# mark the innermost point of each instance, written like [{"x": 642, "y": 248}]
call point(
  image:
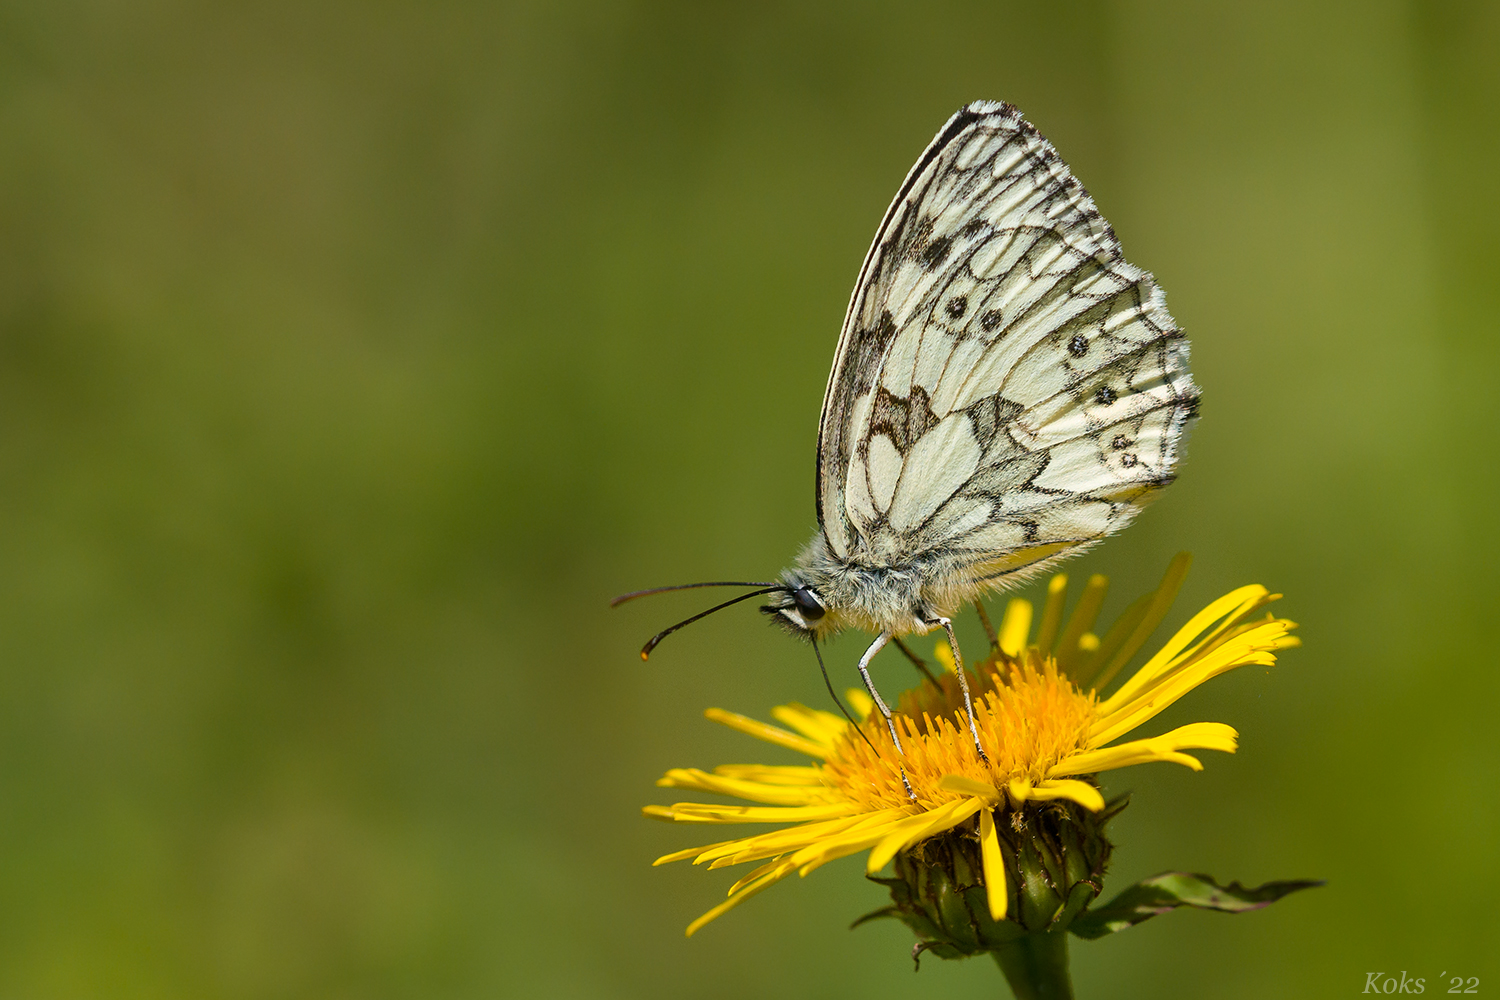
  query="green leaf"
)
[{"x": 1170, "y": 890}]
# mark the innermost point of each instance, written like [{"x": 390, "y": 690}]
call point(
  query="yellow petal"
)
[
  {"x": 767, "y": 732},
  {"x": 767, "y": 880},
  {"x": 690, "y": 852},
  {"x": 772, "y": 774},
  {"x": 805, "y": 842},
  {"x": 1105, "y": 648},
  {"x": 1070, "y": 645},
  {"x": 1057, "y": 594},
  {"x": 1255, "y": 645},
  {"x": 920, "y": 827},
  {"x": 968, "y": 786},
  {"x": 994, "y": 866},
  {"x": 1156, "y": 610},
  {"x": 774, "y": 842},
  {"x": 816, "y": 855},
  {"x": 783, "y": 795},
  {"x": 701, "y": 812},
  {"x": 761, "y": 872},
  {"x": 1198, "y": 735},
  {"x": 1015, "y": 626},
  {"x": 1231, "y": 607},
  {"x": 1081, "y": 792},
  {"x": 819, "y": 726},
  {"x": 861, "y": 703}
]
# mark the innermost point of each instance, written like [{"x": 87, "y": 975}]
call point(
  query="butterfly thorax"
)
[{"x": 827, "y": 593}]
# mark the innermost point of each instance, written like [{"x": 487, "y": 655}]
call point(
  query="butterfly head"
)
[{"x": 798, "y": 607}]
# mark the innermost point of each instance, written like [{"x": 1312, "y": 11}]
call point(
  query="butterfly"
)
[{"x": 1007, "y": 390}]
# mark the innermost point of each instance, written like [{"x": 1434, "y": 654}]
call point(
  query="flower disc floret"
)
[{"x": 1028, "y": 716}]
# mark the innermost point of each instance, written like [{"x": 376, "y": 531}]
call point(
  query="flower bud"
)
[{"x": 1054, "y": 856}]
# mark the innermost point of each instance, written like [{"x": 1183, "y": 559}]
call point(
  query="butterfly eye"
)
[{"x": 808, "y": 603}]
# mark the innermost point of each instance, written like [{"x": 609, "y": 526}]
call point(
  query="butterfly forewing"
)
[{"x": 1006, "y": 387}]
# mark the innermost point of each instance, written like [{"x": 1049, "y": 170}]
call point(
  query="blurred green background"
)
[{"x": 353, "y": 356}]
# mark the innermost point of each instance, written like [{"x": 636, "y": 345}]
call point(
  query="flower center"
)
[{"x": 1028, "y": 716}]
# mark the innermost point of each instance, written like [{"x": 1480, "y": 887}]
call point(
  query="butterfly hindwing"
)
[{"x": 1006, "y": 386}]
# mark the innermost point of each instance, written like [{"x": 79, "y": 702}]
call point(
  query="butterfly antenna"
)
[
  {"x": 832, "y": 694},
  {"x": 658, "y": 637},
  {"x": 685, "y": 586}
]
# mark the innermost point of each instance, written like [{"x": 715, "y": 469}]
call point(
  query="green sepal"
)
[
  {"x": 1081, "y": 896},
  {"x": 1167, "y": 891},
  {"x": 938, "y": 948},
  {"x": 884, "y": 911},
  {"x": 1113, "y": 808}
]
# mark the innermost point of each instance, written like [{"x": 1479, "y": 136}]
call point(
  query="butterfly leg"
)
[
  {"x": 890, "y": 723},
  {"x": 984, "y": 619},
  {"x": 963, "y": 682},
  {"x": 864, "y": 671}
]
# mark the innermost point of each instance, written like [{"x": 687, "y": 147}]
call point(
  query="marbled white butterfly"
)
[{"x": 1006, "y": 391}]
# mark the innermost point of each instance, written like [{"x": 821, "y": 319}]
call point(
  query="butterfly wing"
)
[{"x": 1006, "y": 387}]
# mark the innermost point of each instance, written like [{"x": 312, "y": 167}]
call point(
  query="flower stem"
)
[{"x": 1036, "y": 966}]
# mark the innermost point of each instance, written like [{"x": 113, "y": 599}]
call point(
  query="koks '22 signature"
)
[{"x": 1380, "y": 982}]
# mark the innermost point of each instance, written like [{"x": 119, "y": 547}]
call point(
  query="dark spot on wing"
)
[
  {"x": 910, "y": 241},
  {"x": 935, "y": 252},
  {"x": 858, "y": 369},
  {"x": 956, "y": 306},
  {"x": 1104, "y": 396},
  {"x": 1078, "y": 346},
  {"x": 1128, "y": 460},
  {"x": 903, "y": 419},
  {"x": 989, "y": 321},
  {"x": 1120, "y": 441},
  {"x": 989, "y": 416},
  {"x": 973, "y": 228},
  {"x": 982, "y": 419}
]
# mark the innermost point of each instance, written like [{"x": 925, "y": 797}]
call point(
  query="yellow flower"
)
[{"x": 1045, "y": 729}]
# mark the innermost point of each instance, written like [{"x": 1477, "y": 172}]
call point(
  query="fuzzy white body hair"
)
[{"x": 891, "y": 599}]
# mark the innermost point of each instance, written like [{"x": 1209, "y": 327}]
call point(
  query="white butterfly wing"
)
[{"x": 1006, "y": 387}]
